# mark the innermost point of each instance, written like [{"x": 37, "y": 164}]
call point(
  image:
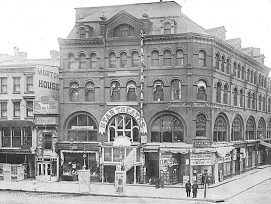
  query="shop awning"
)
[
  {"x": 222, "y": 151},
  {"x": 16, "y": 123},
  {"x": 265, "y": 144}
]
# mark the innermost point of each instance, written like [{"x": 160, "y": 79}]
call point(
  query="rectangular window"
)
[
  {"x": 4, "y": 110},
  {"x": 48, "y": 142},
  {"x": 16, "y": 84},
  {"x": 16, "y": 137},
  {"x": 6, "y": 142},
  {"x": 29, "y": 108},
  {"x": 28, "y": 136},
  {"x": 29, "y": 84},
  {"x": 3, "y": 88},
  {"x": 16, "y": 109}
]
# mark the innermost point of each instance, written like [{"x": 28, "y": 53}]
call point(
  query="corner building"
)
[{"x": 189, "y": 101}]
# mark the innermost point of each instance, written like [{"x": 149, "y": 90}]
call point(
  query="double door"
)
[{"x": 44, "y": 171}]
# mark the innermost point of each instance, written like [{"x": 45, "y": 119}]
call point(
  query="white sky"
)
[{"x": 34, "y": 25}]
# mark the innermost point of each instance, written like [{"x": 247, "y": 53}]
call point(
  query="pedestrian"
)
[
  {"x": 188, "y": 188},
  {"x": 195, "y": 189}
]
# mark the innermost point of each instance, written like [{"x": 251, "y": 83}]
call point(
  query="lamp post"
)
[
  {"x": 84, "y": 158},
  {"x": 205, "y": 181}
]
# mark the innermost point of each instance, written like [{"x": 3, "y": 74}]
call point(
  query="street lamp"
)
[
  {"x": 205, "y": 181},
  {"x": 84, "y": 157}
]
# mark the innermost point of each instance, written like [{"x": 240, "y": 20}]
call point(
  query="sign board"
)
[
  {"x": 47, "y": 105},
  {"x": 202, "y": 144},
  {"x": 82, "y": 127},
  {"x": 201, "y": 159},
  {"x": 46, "y": 120}
]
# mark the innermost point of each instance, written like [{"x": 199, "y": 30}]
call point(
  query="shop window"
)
[
  {"x": 155, "y": 59},
  {"x": 235, "y": 95},
  {"x": 71, "y": 61},
  {"x": 93, "y": 61},
  {"x": 217, "y": 61},
  {"x": 250, "y": 129},
  {"x": 220, "y": 130},
  {"x": 167, "y": 28},
  {"x": 131, "y": 91},
  {"x": 167, "y": 58},
  {"x": 123, "y": 30},
  {"x": 248, "y": 99},
  {"x": 115, "y": 91},
  {"x": 29, "y": 109},
  {"x": 4, "y": 110},
  {"x": 123, "y": 59},
  {"x": 29, "y": 84},
  {"x": 123, "y": 125},
  {"x": 201, "y": 91},
  {"x": 218, "y": 92},
  {"x": 82, "y": 128},
  {"x": 261, "y": 128},
  {"x": 89, "y": 92},
  {"x": 135, "y": 59},
  {"x": 202, "y": 58},
  {"x": 3, "y": 81},
  {"x": 16, "y": 109},
  {"x": 74, "y": 92},
  {"x": 225, "y": 94},
  {"x": 176, "y": 88},
  {"x": 112, "y": 60},
  {"x": 16, "y": 84},
  {"x": 201, "y": 126},
  {"x": 158, "y": 91},
  {"x": 167, "y": 128},
  {"x": 82, "y": 61},
  {"x": 179, "y": 58},
  {"x": 236, "y": 134}
]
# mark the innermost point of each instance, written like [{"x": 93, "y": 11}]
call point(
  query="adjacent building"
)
[{"x": 145, "y": 89}]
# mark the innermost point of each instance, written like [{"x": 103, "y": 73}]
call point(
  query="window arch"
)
[
  {"x": 82, "y": 61},
  {"x": 241, "y": 98},
  {"x": 179, "y": 58},
  {"x": 167, "y": 128},
  {"x": 135, "y": 59},
  {"x": 123, "y": 59},
  {"x": 123, "y": 30},
  {"x": 155, "y": 58},
  {"x": 74, "y": 92},
  {"x": 201, "y": 91},
  {"x": 225, "y": 94},
  {"x": 82, "y": 127},
  {"x": 237, "y": 129},
  {"x": 115, "y": 91},
  {"x": 217, "y": 61},
  {"x": 201, "y": 125},
  {"x": 223, "y": 63},
  {"x": 261, "y": 128},
  {"x": 202, "y": 58},
  {"x": 158, "y": 91},
  {"x": 167, "y": 58},
  {"x": 218, "y": 92},
  {"x": 248, "y": 99},
  {"x": 131, "y": 91},
  {"x": 235, "y": 94},
  {"x": 93, "y": 61},
  {"x": 250, "y": 129},
  {"x": 220, "y": 129},
  {"x": 112, "y": 60},
  {"x": 71, "y": 63},
  {"x": 167, "y": 28},
  {"x": 176, "y": 88},
  {"x": 89, "y": 92}
]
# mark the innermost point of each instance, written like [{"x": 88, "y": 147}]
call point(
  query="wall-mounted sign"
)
[
  {"x": 201, "y": 159},
  {"x": 82, "y": 127},
  {"x": 202, "y": 144},
  {"x": 47, "y": 105},
  {"x": 46, "y": 121}
]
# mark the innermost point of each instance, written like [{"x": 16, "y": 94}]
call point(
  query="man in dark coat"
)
[
  {"x": 188, "y": 188},
  {"x": 195, "y": 189}
]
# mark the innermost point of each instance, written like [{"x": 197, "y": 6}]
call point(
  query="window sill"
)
[
  {"x": 16, "y": 118},
  {"x": 15, "y": 92},
  {"x": 29, "y": 92},
  {"x": 4, "y": 118},
  {"x": 3, "y": 92}
]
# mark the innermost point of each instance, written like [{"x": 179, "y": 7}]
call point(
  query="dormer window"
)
[
  {"x": 167, "y": 28},
  {"x": 123, "y": 30},
  {"x": 82, "y": 32}
]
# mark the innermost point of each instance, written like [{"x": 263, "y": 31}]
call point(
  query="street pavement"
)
[{"x": 220, "y": 192}]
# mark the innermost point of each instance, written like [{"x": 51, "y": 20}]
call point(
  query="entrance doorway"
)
[
  {"x": 152, "y": 163},
  {"x": 44, "y": 171}
]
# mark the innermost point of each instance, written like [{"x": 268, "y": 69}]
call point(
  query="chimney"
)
[{"x": 54, "y": 55}]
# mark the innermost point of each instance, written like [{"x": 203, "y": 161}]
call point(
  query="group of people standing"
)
[{"x": 194, "y": 187}]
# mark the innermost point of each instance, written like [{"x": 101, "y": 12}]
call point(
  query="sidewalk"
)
[{"x": 215, "y": 193}]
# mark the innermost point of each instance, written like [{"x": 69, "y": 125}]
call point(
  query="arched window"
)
[
  {"x": 260, "y": 78},
  {"x": 260, "y": 103},
  {"x": 123, "y": 30},
  {"x": 112, "y": 60},
  {"x": 228, "y": 66},
  {"x": 158, "y": 91},
  {"x": 167, "y": 28},
  {"x": 89, "y": 92},
  {"x": 167, "y": 58},
  {"x": 123, "y": 59},
  {"x": 201, "y": 92},
  {"x": 74, "y": 92},
  {"x": 220, "y": 130},
  {"x": 248, "y": 99},
  {"x": 217, "y": 61},
  {"x": 250, "y": 129},
  {"x": 253, "y": 101},
  {"x": 123, "y": 125},
  {"x": 264, "y": 104},
  {"x": 223, "y": 63},
  {"x": 239, "y": 71},
  {"x": 241, "y": 98},
  {"x": 251, "y": 76},
  {"x": 236, "y": 131},
  {"x": 71, "y": 59},
  {"x": 155, "y": 59},
  {"x": 261, "y": 128},
  {"x": 218, "y": 92},
  {"x": 235, "y": 94},
  {"x": 243, "y": 72},
  {"x": 179, "y": 58},
  {"x": 167, "y": 128},
  {"x": 201, "y": 125},
  {"x": 269, "y": 105},
  {"x": 115, "y": 91},
  {"x": 131, "y": 91},
  {"x": 234, "y": 69},
  {"x": 93, "y": 61},
  {"x": 82, "y": 128},
  {"x": 82, "y": 32},
  {"x": 255, "y": 77},
  {"x": 202, "y": 58},
  {"x": 135, "y": 59},
  {"x": 225, "y": 94},
  {"x": 268, "y": 136},
  {"x": 248, "y": 75},
  {"x": 82, "y": 61},
  {"x": 175, "y": 89}
]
